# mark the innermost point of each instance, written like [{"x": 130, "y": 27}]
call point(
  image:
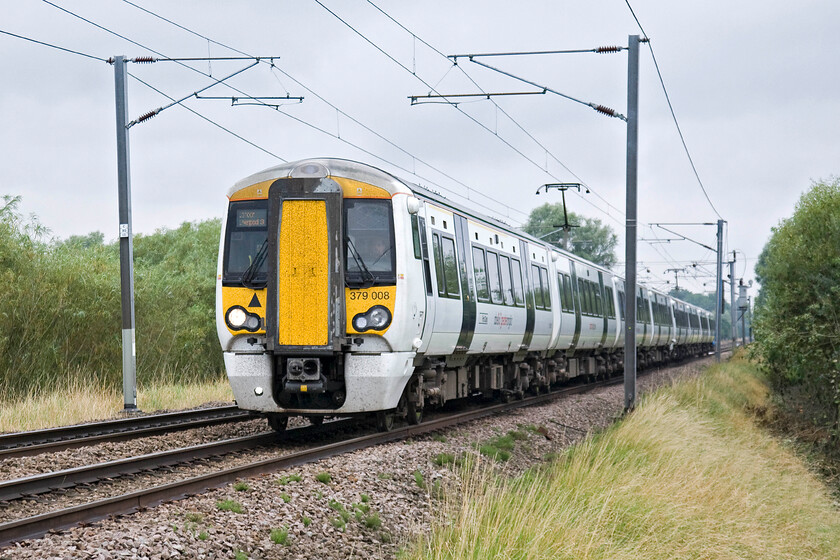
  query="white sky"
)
[{"x": 754, "y": 85}]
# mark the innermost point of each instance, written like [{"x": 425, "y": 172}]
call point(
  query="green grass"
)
[
  {"x": 230, "y": 505},
  {"x": 280, "y": 536},
  {"x": 443, "y": 459},
  {"x": 241, "y": 486},
  {"x": 418, "y": 480},
  {"x": 687, "y": 475},
  {"x": 285, "y": 497},
  {"x": 323, "y": 477}
]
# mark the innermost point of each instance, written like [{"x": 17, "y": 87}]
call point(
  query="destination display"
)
[{"x": 251, "y": 218}]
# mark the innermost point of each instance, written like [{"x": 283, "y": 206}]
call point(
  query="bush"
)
[
  {"x": 60, "y": 314},
  {"x": 797, "y": 323}
]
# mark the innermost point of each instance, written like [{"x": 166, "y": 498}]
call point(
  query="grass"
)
[
  {"x": 83, "y": 401},
  {"x": 323, "y": 477},
  {"x": 230, "y": 505},
  {"x": 241, "y": 486},
  {"x": 688, "y": 475},
  {"x": 280, "y": 536}
]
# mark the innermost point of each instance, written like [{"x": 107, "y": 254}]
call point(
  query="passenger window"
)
[
  {"x": 424, "y": 246},
  {"x": 518, "y": 296},
  {"x": 450, "y": 267},
  {"x": 546, "y": 289},
  {"x": 480, "y": 275},
  {"x": 415, "y": 236},
  {"x": 621, "y": 305},
  {"x": 599, "y": 308},
  {"x": 567, "y": 289},
  {"x": 561, "y": 292},
  {"x": 493, "y": 274},
  {"x": 538, "y": 294},
  {"x": 507, "y": 292},
  {"x": 441, "y": 282}
]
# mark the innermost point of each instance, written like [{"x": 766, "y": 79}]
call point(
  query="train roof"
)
[{"x": 393, "y": 184}]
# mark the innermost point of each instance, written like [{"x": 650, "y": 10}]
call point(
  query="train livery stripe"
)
[
  {"x": 465, "y": 268},
  {"x": 605, "y": 307},
  {"x": 530, "y": 314},
  {"x": 303, "y": 274},
  {"x": 577, "y": 297}
]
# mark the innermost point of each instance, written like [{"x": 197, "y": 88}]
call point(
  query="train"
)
[{"x": 343, "y": 290}]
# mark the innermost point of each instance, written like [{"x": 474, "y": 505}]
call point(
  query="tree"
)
[
  {"x": 591, "y": 240},
  {"x": 797, "y": 323}
]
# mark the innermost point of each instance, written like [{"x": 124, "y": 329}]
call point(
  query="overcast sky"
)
[{"x": 754, "y": 85}]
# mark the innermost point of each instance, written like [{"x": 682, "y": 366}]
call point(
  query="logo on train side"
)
[{"x": 502, "y": 320}]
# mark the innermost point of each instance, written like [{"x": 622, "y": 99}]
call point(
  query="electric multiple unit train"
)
[{"x": 343, "y": 290}]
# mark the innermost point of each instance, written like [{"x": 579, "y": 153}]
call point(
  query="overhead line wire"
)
[
  {"x": 671, "y": 108},
  {"x": 499, "y": 107},
  {"x": 347, "y": 115},
  {"x": 53, "y": 46},
  {"x": 482, "y": 125}
]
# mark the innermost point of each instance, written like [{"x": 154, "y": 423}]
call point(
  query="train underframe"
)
[{"x": 435, "y": 381}]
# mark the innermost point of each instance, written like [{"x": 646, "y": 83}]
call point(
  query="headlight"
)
[
  {"x": 376, "y": 318},
  {"x": 238, "y": 319}
]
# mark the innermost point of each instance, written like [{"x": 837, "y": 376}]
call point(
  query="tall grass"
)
[
  {"x": 688, "y": 475},
  {"x": 60, "y": 307},
  {"x": 85, "y": 400}
]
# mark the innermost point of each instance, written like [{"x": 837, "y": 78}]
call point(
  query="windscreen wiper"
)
[
  {"x": 360, "y": 263},
  {"x": 253, "y": 269}
]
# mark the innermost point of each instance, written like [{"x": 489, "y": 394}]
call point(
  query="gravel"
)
[{"x": 384, "y": 500}]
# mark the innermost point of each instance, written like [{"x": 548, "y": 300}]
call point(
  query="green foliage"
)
[
  {"x": 230, "y": 505},
  {"x": 203, "y": 536},
  {"x": 591, "y": 240},
  {"x": 241, "y": 486},
  {"x": 60, "y": 314},
  {"x": 241, "y": 555},
  {"x": 418, "y": 479},
  {"x": 444, "y": 459},
  {"x": 323, "y": 477},
  {"x": 285, "y": 497},
  {"x": 279, "y": 536},
  {"x": 306, "y": 521},
  {"x": 797, "y": 323}
]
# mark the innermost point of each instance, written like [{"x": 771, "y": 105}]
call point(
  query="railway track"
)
[
  {"x": 39, "y": 525},
  {"x": 19, "y": 444}
]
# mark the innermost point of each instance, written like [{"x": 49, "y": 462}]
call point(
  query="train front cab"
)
[{"x": 319, "y": 295}]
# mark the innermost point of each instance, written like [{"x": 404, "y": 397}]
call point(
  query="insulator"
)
[
  {"x": 148, "y": 116},
  {"x": 144, "y": 60},
  {"x": 605, "y": 110},
  {"x": 610, "y": 49}
]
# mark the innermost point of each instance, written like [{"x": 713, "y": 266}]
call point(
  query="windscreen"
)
[
  {"x": 245, "y": 239},
  {"x": 369, "y": 257}
]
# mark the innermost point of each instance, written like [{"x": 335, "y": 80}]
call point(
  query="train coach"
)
[{"x": 343, "y": 290}]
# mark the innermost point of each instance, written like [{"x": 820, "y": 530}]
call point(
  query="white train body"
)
[{"x": 343, "y": 290}]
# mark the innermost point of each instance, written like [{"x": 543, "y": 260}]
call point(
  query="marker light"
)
[{"x": 376, "y": 318}]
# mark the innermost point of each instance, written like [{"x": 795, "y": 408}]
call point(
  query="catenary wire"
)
[
  {"x": 673, "y": 114},
  {"x": 356, "y": 121},
  {"x": 54, "y": 46},
  {"x": 498, "y": 107},
  {"x": 482, "y": 125}
]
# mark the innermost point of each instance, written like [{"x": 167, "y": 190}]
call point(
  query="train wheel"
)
[
  {"x": 384, "y": 421},
  {"x": 414, "y": 415},
  {"x": 316, "y": 420},
  {"x": 278, "y": 422}
]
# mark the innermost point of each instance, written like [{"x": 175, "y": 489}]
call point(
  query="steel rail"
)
[
  {"x": 39, "y": 525},
  {"x": 68, "y": 478},
  {"x": 18, "y": 444}
]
